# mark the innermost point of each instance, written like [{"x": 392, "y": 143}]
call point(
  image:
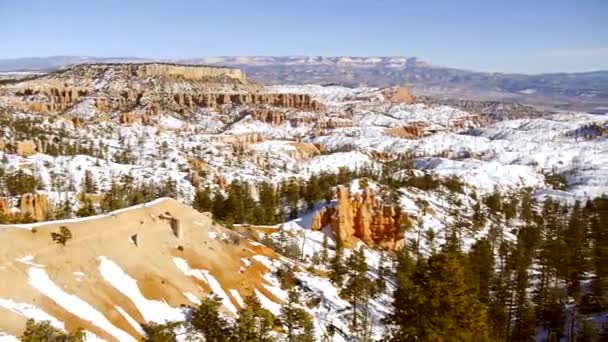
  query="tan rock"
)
[
  {"x": 401, "y": 94},
  {"x": 26, "y": 148},
  {"x": 36, "y": 205},
  {"x": 362, "y": 217},
  {"x": 411, "y": 131},
  {"x": 342, "y": 224}
]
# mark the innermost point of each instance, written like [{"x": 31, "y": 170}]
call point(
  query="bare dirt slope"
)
[{"x": 95, "y": 265}]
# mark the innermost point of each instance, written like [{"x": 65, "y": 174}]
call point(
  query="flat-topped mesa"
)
[
  {"x": 146, "y": 70},
  {"x": 147, "y": 88}
]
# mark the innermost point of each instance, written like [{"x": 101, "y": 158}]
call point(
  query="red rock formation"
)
[
  {"x": 5, "y": 208},
  {"x": 362, "y": 217},
  {"x": 271, "y": 116},
  {"x": 401, "y": 94}
]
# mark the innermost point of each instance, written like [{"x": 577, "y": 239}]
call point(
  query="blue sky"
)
[{"x": 493, "y": 35}]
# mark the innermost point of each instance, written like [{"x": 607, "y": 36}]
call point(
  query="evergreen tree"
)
[
  {"x": 113, "y": 199},
  {"x": 437, "y": 305},
  {"x": 165, "y": 332},
  {"x": 577, "y": 251},
  {"x": 599, "y": 236},
  {"x": 480, "y": 266},
  {"x": 89, "y": 183},
  {"x": 86, "y": 207},
  {"x": 45, "y": 332},
  {"x": 202, "y": 200},
  {"x": 337, "y": 268},
  {"x": 358, "y": 288},
  {"x": 254, "y": 323},
  {"x": 297, "y": 322},
  {"x": 399, "y": 317},
  {"x": 205, "y": 320}
]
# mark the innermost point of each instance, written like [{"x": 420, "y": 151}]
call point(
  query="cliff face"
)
[
  {"x": 148, "y": 89},
  {"x": 362, "y": 217},
  {"x": 34, "y": 205}
]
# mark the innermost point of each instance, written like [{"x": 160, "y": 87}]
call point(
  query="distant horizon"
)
[
  {"x": 182, "y": 61},
  {"x": 518, "y": 36}
]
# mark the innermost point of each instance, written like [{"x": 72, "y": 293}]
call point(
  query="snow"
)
[
  {"x": 268, "y": 304},
  {"x": 130, "y": 319},
  {"x": 170, "y": 122},
  {"x": 217, "y": 289},
  {"x": 4, "y": 337},
  {"x": 39, "y": 279},
  {"x": 151, "y": 310},
  {"x": 235, "y": 294},
  {"x": 192, "y": 298},
  {"x": 206, "y": 276},
  {"x": 30, "y": 311},
  {"x": 28, "y": 260},
  {"x": 185, "y": 268}
]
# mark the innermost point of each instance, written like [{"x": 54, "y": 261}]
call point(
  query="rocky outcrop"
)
[
  {"x": 210, "y": 99},
  {"x": 401, "y": 94},
  {"x": 5, "y": 207},
  {"x": 48, "y": 98},
  {"x": 25, "y": 148},
  {"x": 411, "y": 131},
  {"x": 242, "y": 140},
  {"x": 34, "y": 205},
  {"x": 362, "y": 217},
  {"x": 271, "y": 116},
  {"x": 304, "y": 150}
]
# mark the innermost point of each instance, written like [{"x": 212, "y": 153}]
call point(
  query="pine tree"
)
[
  {"x": 358, "y": 288},
  {"x": 398, "y": 320},
  {"x": 86, "y": 207},
  {"x": 45, "y": 332},
  {"x": 337, "y": 268},
  {"x": 297, "y": 322},
  {"x": 439, "y": 306},
  {"x": 324, "y": 250},
  {"x": 577, "y": 251},
  {"x": 480, "y": 266},
  {"x": 113, "y": 199},
  {"x": 527, "y": 240},
  {"x": 599, "y": 237},
  {"x": 202, "y": 200},
  {"x": 205, "y": 320},
  {"x": 254, "y": 323},
  {"x": 89, "y": 183},
  {"x": 165, "y": 332}
]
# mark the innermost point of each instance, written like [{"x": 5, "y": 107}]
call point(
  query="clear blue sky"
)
[{"x": 491, "y": 35}]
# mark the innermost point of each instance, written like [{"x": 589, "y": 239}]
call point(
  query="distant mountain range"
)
[{"x": 557, "y": 91}]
